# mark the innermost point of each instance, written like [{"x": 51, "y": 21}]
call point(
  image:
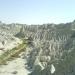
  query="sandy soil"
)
[{"x": 15, "y": 67}]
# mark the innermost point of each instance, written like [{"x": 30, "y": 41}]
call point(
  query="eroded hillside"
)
[{"x": 50, "y": 49}]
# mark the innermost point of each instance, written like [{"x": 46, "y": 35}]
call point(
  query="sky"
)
[{"x": 37, "y": 11}]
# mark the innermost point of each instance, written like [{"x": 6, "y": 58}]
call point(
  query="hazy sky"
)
[{"x": 37, "y": 11}]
